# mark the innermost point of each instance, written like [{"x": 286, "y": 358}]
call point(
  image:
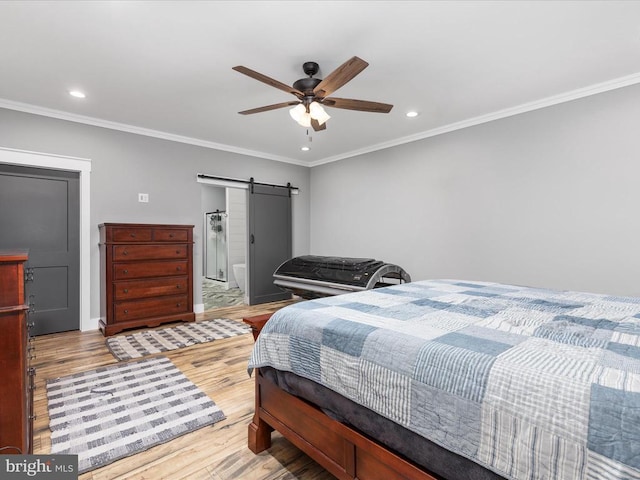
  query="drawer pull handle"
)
[
  {"x": 178, "y": 268},
  {"x": 126, "y": 290},
  {"x": 177, "y": 286},
  {"x": 133, "y": 235},
  {"x": 177, "y": 252},
  {"x": 171, "y": 235},
  {"x": 126, "y": 311},
  {"x": 126, "y": 271},
  {"x": 177, "y": 304},
  {"x": 125, "y": 252}
]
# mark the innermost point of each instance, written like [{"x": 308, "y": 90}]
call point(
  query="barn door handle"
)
[
  {"x": 29, "y": 274},
  {"x": 252, "y": 239},
  {"x": 32, "y": 305}
]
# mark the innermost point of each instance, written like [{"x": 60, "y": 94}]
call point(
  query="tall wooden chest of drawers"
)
[
  {"x": 17, "y": 384},
  {"x": 147, "y": 275}
]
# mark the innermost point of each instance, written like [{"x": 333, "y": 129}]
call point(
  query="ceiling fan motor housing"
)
[{"x": 306, "y": 85}]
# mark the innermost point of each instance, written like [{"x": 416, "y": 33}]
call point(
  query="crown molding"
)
[
  {"x": 507, "y": 112},
  {"x": 123, "y": 127}
]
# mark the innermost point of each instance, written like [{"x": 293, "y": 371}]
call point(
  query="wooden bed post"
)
[{"x": 259, "y": 430}]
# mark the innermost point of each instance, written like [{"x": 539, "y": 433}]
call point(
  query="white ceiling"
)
[{"x": 163, "y": 68}]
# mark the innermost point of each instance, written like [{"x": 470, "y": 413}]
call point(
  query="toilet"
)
[{"x": 239, "y": 274}]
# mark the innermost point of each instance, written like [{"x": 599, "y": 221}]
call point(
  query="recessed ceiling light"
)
[
  {"x": 412, "y": 114},
  {"x": 305, "y": 149},
  {"x": 77, "y": 94}
]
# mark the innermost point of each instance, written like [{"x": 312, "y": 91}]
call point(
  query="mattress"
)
[
  {"x": 526, "y": 382},
  {"x": 429, "y": 456}
]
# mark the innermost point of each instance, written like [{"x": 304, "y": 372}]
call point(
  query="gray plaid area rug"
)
[
  {"x": 116, "y": 411},
  {"x": 148, "y": 342}
]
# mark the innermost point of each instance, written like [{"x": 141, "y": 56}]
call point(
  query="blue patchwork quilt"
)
[{"x": 530, "y": 383}]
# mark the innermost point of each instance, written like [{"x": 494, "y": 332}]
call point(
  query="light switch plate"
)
[{"x": 143, "y": 197}]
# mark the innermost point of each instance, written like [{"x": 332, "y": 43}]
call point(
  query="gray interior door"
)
[
  {"x": 40, "y": 211},
  {"x": 269, "y": 241}
]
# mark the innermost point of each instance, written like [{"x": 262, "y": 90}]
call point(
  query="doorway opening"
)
[{"x": 224, "y": 246}]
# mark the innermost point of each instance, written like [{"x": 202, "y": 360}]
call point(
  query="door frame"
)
[{"x": 83, "y": 167}]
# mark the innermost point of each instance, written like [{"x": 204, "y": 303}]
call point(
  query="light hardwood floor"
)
[{"x": 217, "y": 452}]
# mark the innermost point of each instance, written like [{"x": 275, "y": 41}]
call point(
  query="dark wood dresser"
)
[
  {"x": 16, "y": 387},
  {"x": 146, "y": 275}
]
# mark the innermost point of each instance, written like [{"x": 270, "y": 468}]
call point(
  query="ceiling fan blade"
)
[
  {"x": 269, "y": 107},
  {"x": 340, "y": 76},
  {"x": 360, "y": 105},
  {"x": 316, "y": 126},
  {"x": 268, "y": 80}
]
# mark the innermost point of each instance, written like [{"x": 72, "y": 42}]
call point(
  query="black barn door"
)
[
  {"x": 269, "y": 240},
  {"x": 40, "y": 211}
]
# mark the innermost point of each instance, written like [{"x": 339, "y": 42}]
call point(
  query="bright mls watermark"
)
[{"x": 49, "y": 467}]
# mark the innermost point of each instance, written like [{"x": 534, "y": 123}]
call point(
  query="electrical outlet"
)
[{"x": 143, "y": 197}]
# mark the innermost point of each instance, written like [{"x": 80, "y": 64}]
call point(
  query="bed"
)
[{"x": 457, "y": 380}]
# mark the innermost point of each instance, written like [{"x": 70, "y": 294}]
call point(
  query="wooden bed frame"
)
[{"x": 341, "y": 450}]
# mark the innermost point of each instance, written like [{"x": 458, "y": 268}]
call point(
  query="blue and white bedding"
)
[{"x": 530, "y": 383}]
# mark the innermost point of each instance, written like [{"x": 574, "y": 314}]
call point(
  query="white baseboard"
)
[{"x": 92, "y": 324}]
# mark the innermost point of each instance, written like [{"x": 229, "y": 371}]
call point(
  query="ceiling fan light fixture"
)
[
  {"x": 297, "y": 112},
  {"x": 300, "y": 115},
  {"x": 318, "y": 113},
  {"x": 305, "y": 120}
]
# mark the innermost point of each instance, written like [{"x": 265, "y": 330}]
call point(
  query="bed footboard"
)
[{"x": 342, "y": 451}]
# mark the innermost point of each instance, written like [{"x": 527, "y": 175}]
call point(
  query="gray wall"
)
[
  {"x": 547, "y": 198},
  {"x": 125, "y": 164}
]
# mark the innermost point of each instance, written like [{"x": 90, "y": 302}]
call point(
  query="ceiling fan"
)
[{"x": 313, "y": 93}]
